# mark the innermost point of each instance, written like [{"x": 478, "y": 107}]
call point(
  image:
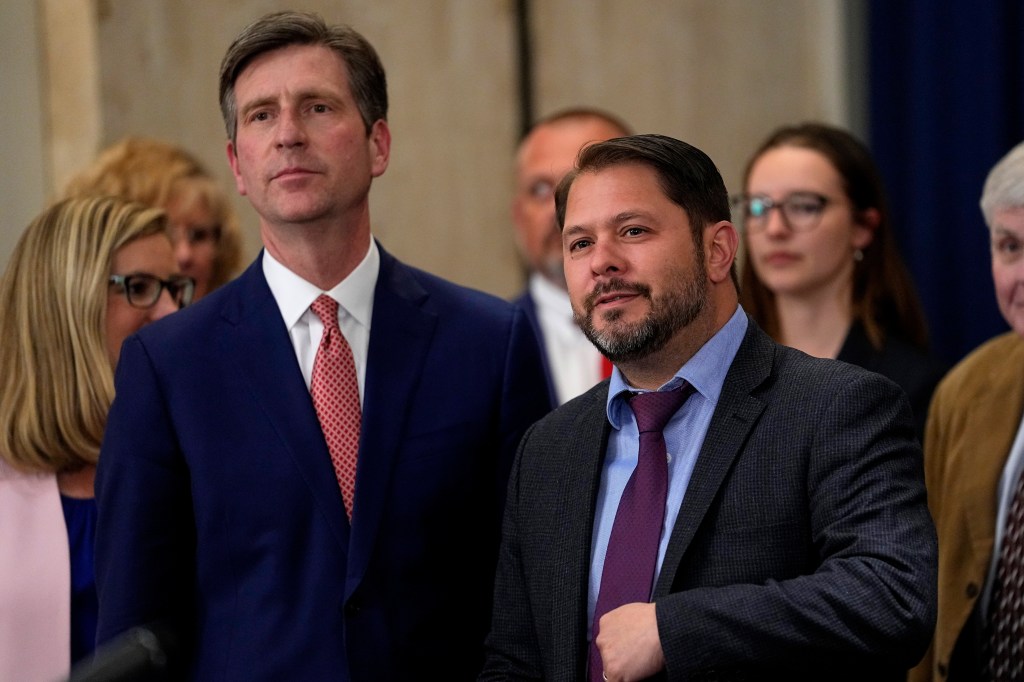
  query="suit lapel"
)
[
  {"x": 400, "y": 336},
  {"x": 529, "y": 308},
  {"x": 999, "y": 398},
  {"x": 735, "y": 415},
  {"x": 583, "y": 448},
  {"x": 257, "y": 340}
]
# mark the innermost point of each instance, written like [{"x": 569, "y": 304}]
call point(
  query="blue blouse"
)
[{"x": 80, "y": 518}]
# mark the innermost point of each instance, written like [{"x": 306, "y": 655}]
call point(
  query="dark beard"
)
[{"x": 685, "y": 300}]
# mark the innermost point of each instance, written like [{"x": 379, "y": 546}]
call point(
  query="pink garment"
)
[{"x": 35, "y": 579}]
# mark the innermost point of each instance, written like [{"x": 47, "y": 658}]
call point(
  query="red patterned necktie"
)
[
  {"x": 1006, "y": 610},
  {"x": 335, "y": 391},
  {"x": 632, "y": 554}
]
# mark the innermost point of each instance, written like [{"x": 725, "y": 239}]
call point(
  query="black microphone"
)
[{"x": 138, "y": 654}]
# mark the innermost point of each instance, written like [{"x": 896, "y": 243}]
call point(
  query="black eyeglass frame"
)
[
  {"x": 787, "y": 205},
  {"x": 181, "y": 288}
]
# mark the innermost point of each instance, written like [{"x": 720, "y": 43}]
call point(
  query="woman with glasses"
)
[
  {"x": 822, "y": 272},
  {"x": 85, "y": 275},
  {"x": 200, "y": 217}
]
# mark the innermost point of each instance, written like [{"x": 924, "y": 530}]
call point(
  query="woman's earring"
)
[{"x": 858, "y": 255}]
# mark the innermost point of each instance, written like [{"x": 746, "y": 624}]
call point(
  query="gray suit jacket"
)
[{"x": 803, "y": 548}]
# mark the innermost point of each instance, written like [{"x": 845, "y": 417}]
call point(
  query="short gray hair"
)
[{"x": 1004, "y": 187}]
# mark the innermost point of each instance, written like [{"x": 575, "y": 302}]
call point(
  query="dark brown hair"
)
[
  {"x": 688, "y": 177},
  {"x": 885, "y": 300},
  {"x": 282, "y": 29}
]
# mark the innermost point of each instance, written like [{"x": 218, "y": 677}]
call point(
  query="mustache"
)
[{"x": 615, "y": 285}]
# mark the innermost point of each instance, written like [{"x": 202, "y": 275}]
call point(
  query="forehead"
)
[
  {"x": 1008, "y": 220},
  {"x": 191, "y": 208},
  {"x": 553, "y": 147},
  {"x": 791, "y": 169},
  {"x": 609, "y": 194},
  {"x": 292, "y": 68},
  {"x": 151, "y": 254}
]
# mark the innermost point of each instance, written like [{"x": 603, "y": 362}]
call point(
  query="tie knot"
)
[
  {"x": 654, "y": 409},
  {"x": 326, "y": 308}
]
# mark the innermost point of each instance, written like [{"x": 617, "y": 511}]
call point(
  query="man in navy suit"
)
[
  {"x": 221, "y": 518},
  {"x": 544, "y": 156},
  {"x": 796, "y": 542}
]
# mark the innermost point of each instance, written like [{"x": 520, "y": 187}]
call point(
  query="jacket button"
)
[
  {"x": 352, "y": 609},
  {"x": 972, "y": 590}
]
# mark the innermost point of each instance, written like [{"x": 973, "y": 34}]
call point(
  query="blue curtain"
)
[{"x": 945, "y": 87}]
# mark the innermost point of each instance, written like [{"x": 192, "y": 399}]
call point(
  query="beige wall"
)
[
  {"x": 717, "y": 73},
  {"x": 23, "y": 169}
]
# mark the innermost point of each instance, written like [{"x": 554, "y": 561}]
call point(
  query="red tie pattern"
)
[
  {"x": 632, "y": 554},
  {"x": 1006, "y": 617},
  {"x": 335, "y": 391}
]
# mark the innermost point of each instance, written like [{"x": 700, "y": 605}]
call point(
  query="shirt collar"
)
[
  {"x": 549, "y": 296},
  {"x": 705, "y": 371},
  {"x": 294, "y": 295}
]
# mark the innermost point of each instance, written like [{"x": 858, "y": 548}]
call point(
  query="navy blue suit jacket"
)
[
  {"x": 220, "y": 513},
  {"x": 529, "y": 307}
]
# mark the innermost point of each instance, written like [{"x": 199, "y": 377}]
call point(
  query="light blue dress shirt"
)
[{"x": 684, "y": 436}]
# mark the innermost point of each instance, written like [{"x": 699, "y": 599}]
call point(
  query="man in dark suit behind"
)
[
  {"x": 796, "y": 542},
  {"x": 545, "y": 154},
  {"x": 221, "y": 517}
]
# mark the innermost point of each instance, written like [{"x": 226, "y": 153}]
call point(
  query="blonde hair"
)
[
  {"x": 56, "y": 380},
  {"x": 155, "y": 173}
]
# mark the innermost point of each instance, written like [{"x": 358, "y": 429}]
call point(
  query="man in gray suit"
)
[{"x": 796, "y": 543}]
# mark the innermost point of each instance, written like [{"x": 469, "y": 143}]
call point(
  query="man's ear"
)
[
  {"x": 380, "y": 147},
  {"x": 235, "y": 171},
  {"x": 721, "y": 243}
]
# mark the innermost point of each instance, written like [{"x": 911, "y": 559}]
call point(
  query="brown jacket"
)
[{"x": 972, "y": 421}]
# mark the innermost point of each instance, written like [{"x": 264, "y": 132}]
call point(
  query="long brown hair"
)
[{"x": 885, "y": 300}]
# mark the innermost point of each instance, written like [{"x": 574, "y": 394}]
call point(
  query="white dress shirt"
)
[
  {"x": 574, "y": 362},
  {"x": 354, "y": 295}
]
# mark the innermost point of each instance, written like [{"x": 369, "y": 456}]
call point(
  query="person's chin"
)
[
  {"x": 306, "y": 209},
  {"x": 554, "y": 270}
]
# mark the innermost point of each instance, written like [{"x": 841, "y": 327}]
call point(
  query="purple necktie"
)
[{"x": 633, "y": 544}]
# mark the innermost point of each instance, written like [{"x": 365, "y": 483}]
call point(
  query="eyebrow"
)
[
  {"x": 572, "y": 229},
  {"x": 255, "y": 104},
  {"x": 301, "y": 96},
  {"x": 1000, "y": 231},
  {"x": 618, "y": 219}
]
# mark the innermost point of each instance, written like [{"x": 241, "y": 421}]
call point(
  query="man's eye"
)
[
  {"x": 542, "y": 190},
  {"x": 320, "y": 108},
  {"x": 1008, "y": 246},
  {"x": 579, "y": 244}
]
